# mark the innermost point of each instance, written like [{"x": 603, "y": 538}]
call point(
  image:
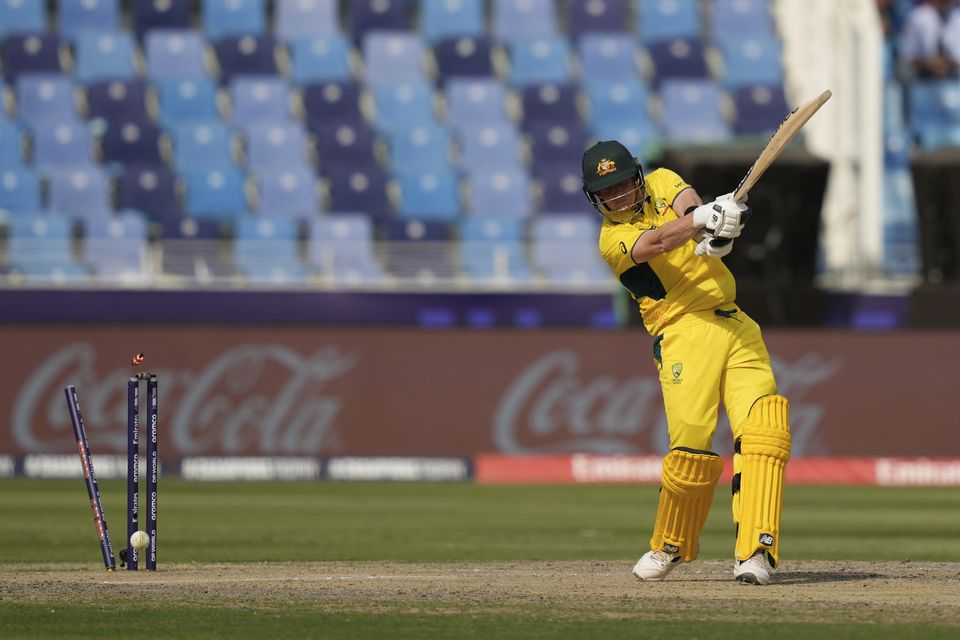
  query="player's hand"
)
[
  {"x": 705, "y": 247},
  {"x": 720, "y": 217}
]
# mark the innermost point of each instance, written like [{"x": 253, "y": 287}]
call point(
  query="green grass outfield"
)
[{"x": 44, "y": 522}]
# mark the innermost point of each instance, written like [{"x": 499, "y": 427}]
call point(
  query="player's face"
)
[{"x": 622, "y": 196}]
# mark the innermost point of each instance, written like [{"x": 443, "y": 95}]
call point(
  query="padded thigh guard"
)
[
  {"x": 764, "y": 452},
  {"x": 686, "y": 493}
]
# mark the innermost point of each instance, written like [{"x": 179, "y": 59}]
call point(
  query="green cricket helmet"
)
[{"x": 605, "y": 164}]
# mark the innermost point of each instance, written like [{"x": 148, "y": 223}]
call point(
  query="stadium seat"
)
[
  {"x": 658, "y": 20},
  {"x": 266, "y": 250},
  {"x": 518, "y": 20},
  {"x": 500, "y": 193},
  {"x": 345, "y": 143},
  {"x": 298, "y": 20},
  {"x": 184, "y": 101},
  {"x": 751, "y": 61},
  {"x": 692, "y": 112},
  {"x": 233, "y": 17},
  {"x": 641, "y": 135},
  {"x": 43, "y": 99},
  {"x": 246, "y": 56},
  {"x": 11, "y": 146},
  {"x": 403, "y": 107},
  {"x": 103, "y": 56},
  {"x": 320, "y": 59},
  {"x": 539, "y": 61},
  {"x": 194, "y": 249},
  {"x": 174, "y": 54},
  {"x": 549, "y": 103},
  {"x": 368, "y": 16},
  {"x": 440, "y": 19},
  {"x": 614, "y": 101},
  {"x": 429, "y": 195},
  {"x": 592, "y": 16},
  {"x": 19, "y": 189},
  {"x": 492, "y": 250},
  {"x": 160, "y": 14},
  {"x": 131, "y": 142},
  {"x": 564, "y": 249},
  {"x": 934, "y": 107},
  {"x": 562, "y": 191},
  {"x": 423, "y": 148},
  {"x": 255, "y": 99},
  {"x": 203, "y": 145},
  {"x": 341, "y": 248},
  {"x": 41, "y": 248},
  {"x": 490, "y": 148},
  {"x": 759, "y": 109},
  {"x": 30, "y": 53},
  {"x": 745, "y": 18},
  {"x": 80, "y": 192},
  {"x": 290, "y": 192},
  {"x": 607, "y": 56},
  {"x": 556, "y": 146},
  {"x": 475, "y": 102},
  {"x": 678, "y": 58},
  {"x": 463, "y": 56},
  {"x": 216, "y": 194},
  {"x": 332, "y": 101},
  {"x": 76, "y": 17},
  {"x": 116, "y": 247},
  {"x": 275, "y": 146},
  {"x": 359, "y": 189},
  {"x": 22, "y": 16},
  {"x": 420, "y": 250},
  {"x": 393, "y": 57},
  {"x": 117, "y": 100},
  {"x": 62, "y": 144},
  {"x": 150, "y": 190}
]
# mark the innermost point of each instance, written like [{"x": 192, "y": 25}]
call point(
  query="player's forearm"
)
[{"x": 665, "y": 238}]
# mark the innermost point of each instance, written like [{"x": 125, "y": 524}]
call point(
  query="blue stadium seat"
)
[
  {"x": 255, "y": 99},
  {"x": 216, "y": 194},
  {"x": 692, "y": 112},
  {"x": 160, "y": 14},
  {"x": 183, "y": 101},
  {"x": 641, "y": 135},
  {"x": 266, "y": 250},
  {"x": 296, "y": 20},
  {"x": 420, "y": 250},
  {"x": 613, "y": 101},
  {"x": 81, "y": 192},
  {"x": 332, "y": 101},
  {"x": 593, "y": 16},
  {"x": 290, "y": 192},
  {"x": 564, "y": 249},
  {"x": 103, "y": 56},
  {"x": 205, "y": 145},
  {"x": 246, "y": 56},
  {"x": 19, "y": 189},
  {"x": 233, "y": 17},
  {"x": 500, "y": 193},
  {"x": 516, "y": 20},
  {"x": 549, "y": 103},
  {"x": 75, "y": 17},
  {"x": 425, "y": 147},
  {"x": 62, "y": 144},
  {"x": 759, "y": 109},
  {"x": 116, "y": 247},
  {"x": 345, "y": 143},
  {"x": 131, "y": 142},
  {"x": 464, "y": 56},
  {"x": 40, "y": 247},
  {"x": 359, "y": 189},
  {"x": 19, "y": 16},
  {"x": 320, "y": 59},
  {"x": 30, "y": 53},
  {"x": 745, "y": 18},
  {"x": 440, "y": 19},
  {"x": 492, "y": 249},
  {"x": 43, "y": 99},
  {"x": 11, "y": 146},
  {"x": 562, "y": 191},
  {"x": 368, "y": 16},
  {"x": 555, "y": 147},
  {"x": 678, "y": 58},
  {"x": 193, "y": 249},
  {"x": 174, "y": 54},
  {"x": 751, "y": 61},
  {"x": 490, "y": 148},
  {"x": 403, "y": 107},
  {"x": 934, "y": 107},
  {"x": 276, "y": 146},
  {"x": 341, "y": 248},
  {"x": 150, "y": 190},
  {"x": 475, "y": 102},
  {"x": 539, "y": 61},
  {"x": 392, "y": 57},
  {"x": 429, "y": 195},
  {"x": 658, "y": 20},
  {"x": 117, "y": 100},
  {"x": 607, "y": 56}
]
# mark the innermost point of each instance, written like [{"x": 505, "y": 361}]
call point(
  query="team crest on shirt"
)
[
  {"x": 606, "y": 166},
  {"x": 660, "y": 204},
  {"x": 677, "y": 369}
]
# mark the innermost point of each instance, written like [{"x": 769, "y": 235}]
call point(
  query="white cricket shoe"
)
[
  {"x": 655, "y": 565},
  {"x": 753, "y": 570}
]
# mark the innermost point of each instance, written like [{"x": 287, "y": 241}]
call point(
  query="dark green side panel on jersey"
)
[{"x": 642, "y": 282}]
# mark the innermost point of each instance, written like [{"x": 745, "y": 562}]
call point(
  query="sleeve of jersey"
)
[
  {"x": 616, "y": 245},
  {"x": 669, "y": 185}
]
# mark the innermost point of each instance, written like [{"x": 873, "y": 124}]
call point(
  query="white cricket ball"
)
[{"x": 140, "y": 540}]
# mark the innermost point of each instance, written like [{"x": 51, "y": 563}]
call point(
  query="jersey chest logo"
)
[{"x": 660, "y": 204}]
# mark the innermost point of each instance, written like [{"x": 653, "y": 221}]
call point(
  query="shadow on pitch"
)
[{"x": 804, "y": 577}]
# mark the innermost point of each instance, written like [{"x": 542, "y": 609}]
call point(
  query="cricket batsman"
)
[{"x": 665, "y": 246}]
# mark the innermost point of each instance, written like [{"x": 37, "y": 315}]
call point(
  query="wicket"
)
[{"x": 133, "y": 468}]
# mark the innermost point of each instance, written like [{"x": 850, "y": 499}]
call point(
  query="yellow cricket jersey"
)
[{"x": 675, "y": 282}]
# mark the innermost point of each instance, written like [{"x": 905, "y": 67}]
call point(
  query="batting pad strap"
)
[
  {"x": 765, "y": 450},
  {"x": 686, "y": 493}
]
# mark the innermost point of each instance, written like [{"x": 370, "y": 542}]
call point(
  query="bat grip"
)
[{"x": 720, "y": 242}]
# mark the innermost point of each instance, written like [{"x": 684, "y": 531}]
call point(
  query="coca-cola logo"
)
[{"x": 253, "y": 397}]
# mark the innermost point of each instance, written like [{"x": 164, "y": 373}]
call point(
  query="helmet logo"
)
[{"x": 606, "y": 166}]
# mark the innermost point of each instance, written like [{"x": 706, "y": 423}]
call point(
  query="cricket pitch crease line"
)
[{"x": 412, "y": 576}]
